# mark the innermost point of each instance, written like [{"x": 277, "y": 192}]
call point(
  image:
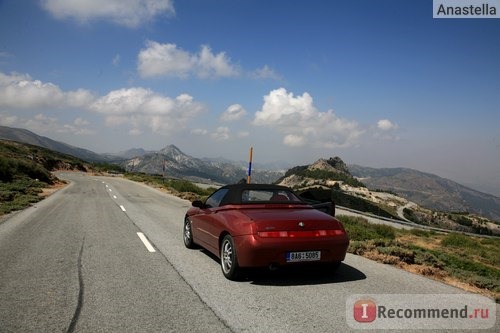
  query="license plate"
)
[{"x": 303, "y": 256}]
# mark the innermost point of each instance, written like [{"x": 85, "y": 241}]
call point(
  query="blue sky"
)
[{"x": 378, "y": 83}]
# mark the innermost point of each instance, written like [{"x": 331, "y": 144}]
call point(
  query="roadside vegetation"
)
[
  {"x": 107, "y": 168},
  {"x": 26, "y": 173},
  {"x": 326, "y": 174},
  {"x": 179, "y": 187},
  {"x": 471, "y": 263},
  {"x": 461, "y": 221}
]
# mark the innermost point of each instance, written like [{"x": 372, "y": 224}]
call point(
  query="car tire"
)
[
  {"x": 229, "y": 259},
  {"x": 188, "y": 234}
]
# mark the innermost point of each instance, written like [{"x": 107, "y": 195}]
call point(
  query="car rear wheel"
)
[
  {"x": 229, "y": 259},
  {"x": 188, "y": 234}
]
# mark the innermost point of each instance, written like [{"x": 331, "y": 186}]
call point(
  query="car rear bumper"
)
[{"x": 255, "y": 251}]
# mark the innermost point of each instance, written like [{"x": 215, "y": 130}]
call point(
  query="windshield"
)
[{"x": 263, "y": 195}]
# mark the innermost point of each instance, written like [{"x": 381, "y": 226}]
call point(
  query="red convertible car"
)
[{"x": 255, "y": 225}]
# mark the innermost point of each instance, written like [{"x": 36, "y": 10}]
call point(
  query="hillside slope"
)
[
  {"x": 25, "y": 170},
  {"x": 429, "y": 190},
  {"x": 25, "y": 136}
]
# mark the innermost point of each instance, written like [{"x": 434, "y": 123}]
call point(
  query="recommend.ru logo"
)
[{"x": 420, "y": 311}]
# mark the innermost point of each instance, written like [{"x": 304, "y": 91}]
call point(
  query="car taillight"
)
[{"x": 300, "y": 233}]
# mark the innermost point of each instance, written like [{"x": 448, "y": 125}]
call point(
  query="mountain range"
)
[
  {"x": 427, "y": 190},
  {"x": 172, "y": 162}
]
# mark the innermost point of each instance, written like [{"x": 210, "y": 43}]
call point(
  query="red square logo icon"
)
[{"x": 365, "y": 311}]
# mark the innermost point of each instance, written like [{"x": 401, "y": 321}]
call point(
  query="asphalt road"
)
[{"x": 75, "y": 263}]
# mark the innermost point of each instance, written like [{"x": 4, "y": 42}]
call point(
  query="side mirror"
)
[{"x": 198, "y": 204}]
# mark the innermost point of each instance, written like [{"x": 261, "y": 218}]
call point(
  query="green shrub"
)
[
  {"x": 484, "y": 282},
  {"x": 421, "y": 233},
  {"x": 357, "y": 247},
  {"x": 326, "y": 174},
  {"x": 107, "y": 167},
  {"x": 423, "y": 257},
  {"x": 6, "y": 170},
  {"x": 178, "y": 185},
  {"x": 185, "y": 186},
  {"x": 405, "y": 255},
  {"x": 464, "y": 267},
  {"x": 385, "y": 231},
  {"x": 459, "y": 241},
  {"x": 358, "y": 228}
]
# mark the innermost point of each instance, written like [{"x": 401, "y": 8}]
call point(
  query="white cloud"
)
[
  {"x": 164, "y": 60},
  {"x": 302, "y": 124},
  {"x": 293, "y": 140},
  {"x": 199, "y": 131},
  {"x": 386, "y": 125},
  {"x": 130, "y": 13},
  {"x": 78, "y": 98},
  {"x": 47, "y": 125},
  {"x": 139, "y": 107},
  {"x": 20, "y": 91},
  {"x": 77, "y": 128},
  {"x": 210, "y": 65},
  {"x": 265, "y": 72},
  {"x": 158, "y": 60},
  {"x": 220, "y": 134},
  {"x": 8, "y": 120},
  {"x": 233, "y": 112},
  {"x": 386, "y": 130},
  {"x": 44, "y": 124},
  {"x": 81, "y": 122}
]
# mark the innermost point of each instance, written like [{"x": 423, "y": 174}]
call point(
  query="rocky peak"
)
[
  {"x": 325, "y": 172},
  {"x": 338, "y": 164},
  {"x": 332, "y": 164},
  {"x": 171, "y": 151}
]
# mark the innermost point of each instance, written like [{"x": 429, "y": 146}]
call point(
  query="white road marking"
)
[
  {"x": 114, "y": 196},
  {"x": 110, "y": 190},
  {"x": 146, "y": 242},
  {"x": 123, "y": 208}
]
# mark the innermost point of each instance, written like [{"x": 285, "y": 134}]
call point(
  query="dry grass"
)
[{"x": 466, "y": 262}]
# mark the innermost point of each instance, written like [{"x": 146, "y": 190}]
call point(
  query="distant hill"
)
[
  {"x": 174, "y": 163},
  {"x": 25, "y": 136},
  {"x": 322, "y": 172},
  {"x": 429, "y": 190},
  {"x": 330, "y": 179},
  {"x": 25, "y": 170},
  {"x": 401, "y": 198}
]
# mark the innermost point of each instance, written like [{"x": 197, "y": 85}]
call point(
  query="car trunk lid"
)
[{"x": 291, "y": 222}]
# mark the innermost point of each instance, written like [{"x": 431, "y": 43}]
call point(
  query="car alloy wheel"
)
[
  {"x": 228, "y": 258},
  {"x": 188, "y": 234}
]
